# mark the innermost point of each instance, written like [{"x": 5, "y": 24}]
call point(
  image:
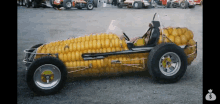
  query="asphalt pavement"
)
[{"x": 40, "y": 25}]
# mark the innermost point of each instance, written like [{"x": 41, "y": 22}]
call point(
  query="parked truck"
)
[{"x": 79, "y": 4}]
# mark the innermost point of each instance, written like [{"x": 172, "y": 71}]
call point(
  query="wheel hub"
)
[
  {"x": 169, "y": 64},
  {"x": 90, "y": 6},
  {"x": 136, "y": 4},
  {"x": 166, "y": 62},
  {"x": 183, "y": 4},
  {"x": 68, "y": 4},
  {"x": 47, "y": 76}
]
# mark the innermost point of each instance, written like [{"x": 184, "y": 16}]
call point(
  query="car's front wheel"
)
[
  {"x": 167, "y": 63},
  {"x": 46, "y": 75}
]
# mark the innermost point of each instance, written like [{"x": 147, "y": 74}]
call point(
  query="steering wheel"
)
[{"x": 126, "y": 37}]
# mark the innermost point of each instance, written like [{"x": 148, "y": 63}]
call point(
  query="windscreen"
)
[{"x": 113, "y": 28}]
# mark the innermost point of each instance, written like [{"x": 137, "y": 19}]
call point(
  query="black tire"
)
[
  {"x": 183, "y": 5},
  {"x": 65, "y": 4},
  {"x": 89, "y": 6},
  {"x": 153, "y": 63},
  {"x": 28, "y": 4},
  {"x": 42, "y": 61},
  {"x": 136, "y": 5},
  {"x": 34, "y": 4},
  {"x": 120, "y": 5},
  {"x": 95, "y": 3}
]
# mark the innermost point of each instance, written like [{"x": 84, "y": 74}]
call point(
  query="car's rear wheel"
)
[
  {"x": 46, "y": 75},
  {"x": 167, "y": 63}
]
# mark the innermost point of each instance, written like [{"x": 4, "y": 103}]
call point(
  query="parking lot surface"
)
[{"x": 40, "y": 25}]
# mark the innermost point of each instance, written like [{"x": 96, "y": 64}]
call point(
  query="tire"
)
[
  {"x": 156, "y": 67},
  {"x": 67, "y": 4},
  {"x": 95, "y": 2},
  {"x": 136, "y": 5},
  {"x": 28, "y": 4},
  {"x": 34, "y": 4},
  {"x": 89, "y": 6},
  {"x": 183, "y": 5},
  {"x": 120, "y": 5},
  {"x": 57, "y": 68}
]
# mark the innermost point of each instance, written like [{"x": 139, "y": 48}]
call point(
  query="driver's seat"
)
[
  {"x": 154, "y": 37},
  {"x": 155, "y": 33}
]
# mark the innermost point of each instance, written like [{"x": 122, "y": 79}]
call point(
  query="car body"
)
[
  {"x": 49, "y": 64},
  {"x": 131, "y": 2},
  {"x": 67, "y": 4},
  {"x": 136, "y": 3}
]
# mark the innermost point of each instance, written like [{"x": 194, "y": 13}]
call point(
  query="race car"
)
[
  {"x": 79, "y": 4},
  {"x": 166, "y": 56}
]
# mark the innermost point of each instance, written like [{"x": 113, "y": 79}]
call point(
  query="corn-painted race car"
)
[{"x": 166, "y": 56}]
